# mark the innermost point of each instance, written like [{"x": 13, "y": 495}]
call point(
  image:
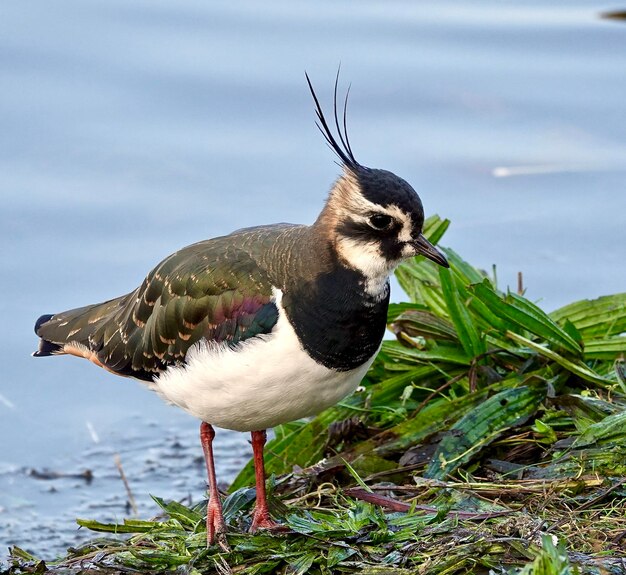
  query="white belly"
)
[{"x": 266, "y": 381}]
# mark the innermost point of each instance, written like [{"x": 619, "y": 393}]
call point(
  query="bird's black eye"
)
[{"x": 380, "y": 221}]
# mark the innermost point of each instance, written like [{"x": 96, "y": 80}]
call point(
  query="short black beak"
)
[{"x": 426, "y": 249}]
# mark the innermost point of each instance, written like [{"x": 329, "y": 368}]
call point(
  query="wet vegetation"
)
[{"x": 488, "y": 437}]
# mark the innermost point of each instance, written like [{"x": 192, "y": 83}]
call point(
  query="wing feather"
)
[{"x": 197, "y": 293}]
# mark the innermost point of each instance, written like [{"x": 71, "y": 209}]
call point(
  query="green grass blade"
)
[
  {"x": 178, "y": 511},
  {"x": 551, "y": 560},
  {"x": 612, "y": 429},
  {"x": 471, "y": 340},
  {"x": 356, "y": 476},
  {"x": 420, "y": 281},
  {"x": 442, "y": 353},
  {"x": 574, "y": 366},
  {"x": 526, "y": 316},
  {"x": 482, "y": 425},
  {"x": 397, "y": 309},
  {"x": 419, "y": 322},
  {"x": 596, "y": 318},
  {"x": 434, "y": 228},
  {"x": 605, "y": 349},
  {"x": 129, "y": 526},
  {"x": 465, "y": 270}
]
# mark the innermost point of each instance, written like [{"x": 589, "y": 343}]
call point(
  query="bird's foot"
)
[
  {"x": 262, "y": 520},
  {"x": 216, "y": 527}
]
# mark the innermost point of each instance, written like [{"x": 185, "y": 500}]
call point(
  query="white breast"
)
[{"x": 265, "y": 381}]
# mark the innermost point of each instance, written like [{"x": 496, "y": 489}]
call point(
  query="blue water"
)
[{"x": 132, "y": 129}]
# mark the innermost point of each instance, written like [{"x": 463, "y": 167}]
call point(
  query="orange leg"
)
[
  {"x": 261, "y": 518},
  {"x": 215, "y": 524}
]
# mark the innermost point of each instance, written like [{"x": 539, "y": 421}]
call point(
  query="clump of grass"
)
[
  {"x": 463, "y": 529},
  {"x": 490, "y": 437}
]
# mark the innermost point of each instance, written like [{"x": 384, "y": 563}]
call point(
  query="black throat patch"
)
[{"x": 339, "y": 325}]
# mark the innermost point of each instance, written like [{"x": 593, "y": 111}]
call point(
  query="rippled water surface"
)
[{"x": 132, "y": 129}]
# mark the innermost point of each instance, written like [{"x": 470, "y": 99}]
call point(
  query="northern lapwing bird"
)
[{"x": 265, "y": 325}]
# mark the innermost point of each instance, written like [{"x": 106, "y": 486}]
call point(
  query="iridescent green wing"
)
[{"x": 210, "y": 290}]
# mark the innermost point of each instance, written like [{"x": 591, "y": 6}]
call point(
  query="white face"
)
[
  {"x": 367, "y": 259},
  {"x": 363, "y": 251}
]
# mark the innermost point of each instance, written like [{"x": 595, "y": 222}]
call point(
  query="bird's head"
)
[{"x": 374, "y": 218}]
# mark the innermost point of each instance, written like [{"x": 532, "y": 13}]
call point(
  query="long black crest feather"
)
[{"x": 341, "y": 148}]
